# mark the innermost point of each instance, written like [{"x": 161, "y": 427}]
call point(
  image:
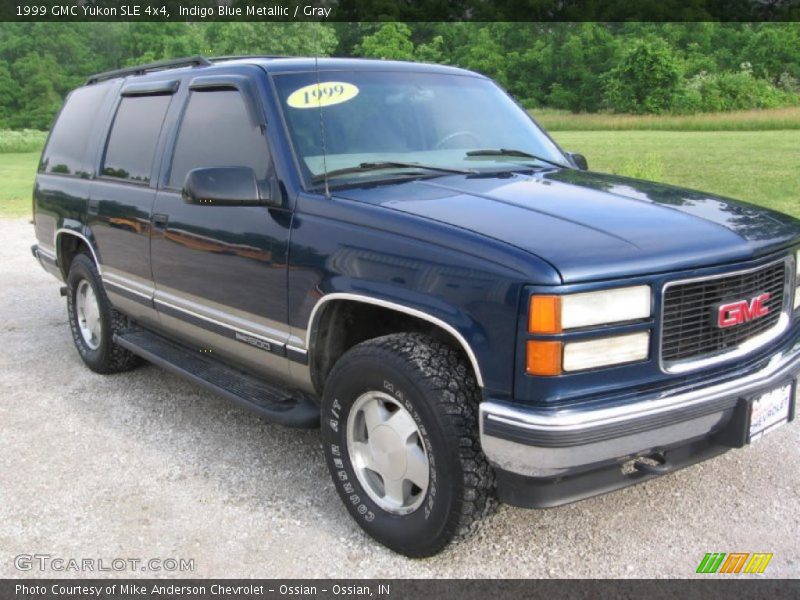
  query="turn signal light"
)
[
  {"x": 543, "y": 358},
  {"x": 545, "y": 314}
]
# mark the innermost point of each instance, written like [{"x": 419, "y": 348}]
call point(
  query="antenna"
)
[{"x": 321, "y": 120}]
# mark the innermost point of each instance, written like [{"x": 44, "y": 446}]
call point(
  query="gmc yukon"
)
[{"x": 399, "y": 254}]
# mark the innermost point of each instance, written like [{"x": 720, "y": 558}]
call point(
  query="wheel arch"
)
[
  {"x": 326, "y": 306},
  {"x": 64, "y": 253}
]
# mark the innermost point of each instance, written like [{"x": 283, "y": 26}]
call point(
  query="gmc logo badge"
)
[{"x": 742, "y": 311}]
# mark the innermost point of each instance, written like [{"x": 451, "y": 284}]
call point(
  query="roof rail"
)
[
  {"x": 245, "y": 56},
  {"x": 172, "y": 63}
]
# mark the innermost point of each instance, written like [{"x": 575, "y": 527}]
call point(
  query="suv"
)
[{"x": 399, "y": 253}]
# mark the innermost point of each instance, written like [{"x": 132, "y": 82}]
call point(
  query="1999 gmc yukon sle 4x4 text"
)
[{"x": 398, "y": 253}]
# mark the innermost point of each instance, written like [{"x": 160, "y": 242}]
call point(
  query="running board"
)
[{"x": 292, "y": 409}]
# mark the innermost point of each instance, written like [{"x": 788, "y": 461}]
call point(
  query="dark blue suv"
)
[{"x": 399, "y": 253}]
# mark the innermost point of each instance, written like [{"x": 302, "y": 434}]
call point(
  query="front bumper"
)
[{"x": 550, "y": 457}]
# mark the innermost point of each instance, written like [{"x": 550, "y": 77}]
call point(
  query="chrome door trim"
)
[
  {"x": 232, "y": 328},
  {"x": 130, "y": 290},
  {"x": 139, "y": 286}
]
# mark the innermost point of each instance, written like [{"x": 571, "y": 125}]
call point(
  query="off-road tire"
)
[
  {"x": 433, "y": 382},
  {"x": 107, "y": 358}
]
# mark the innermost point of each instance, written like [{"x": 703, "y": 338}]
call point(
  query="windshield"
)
[{"x": 430, "y": 119}]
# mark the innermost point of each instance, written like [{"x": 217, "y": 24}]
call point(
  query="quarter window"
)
[
  {"x": 132, "y": 143},
  {"x": 69, "y": 139},
  {"x": 217, "y": 131}
]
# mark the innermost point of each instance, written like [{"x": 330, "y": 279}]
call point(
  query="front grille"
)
[{"x": 690, "y": 309}]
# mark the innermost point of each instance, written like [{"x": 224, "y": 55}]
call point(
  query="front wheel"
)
[{"x": 400, "y": 435}]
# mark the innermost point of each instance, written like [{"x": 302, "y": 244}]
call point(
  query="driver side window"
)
[{"x": 216, "y": 131}]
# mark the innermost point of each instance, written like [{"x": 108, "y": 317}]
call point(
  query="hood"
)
[{"x": 590, "y": 225}]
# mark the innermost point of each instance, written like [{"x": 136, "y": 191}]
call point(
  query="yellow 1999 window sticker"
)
[{"x": 326, "y": 93}]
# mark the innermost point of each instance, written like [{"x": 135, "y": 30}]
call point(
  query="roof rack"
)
[
  {"x": 246, "y": 56},
  {"x": 173, "y": 63}
]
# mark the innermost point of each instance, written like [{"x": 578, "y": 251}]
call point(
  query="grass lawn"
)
[
  {"x": 762, "y": 167},
  {"x": 739, "y": 120},
  {"x": 16, "y": 183},
  {"x": 759, "y": 166}
]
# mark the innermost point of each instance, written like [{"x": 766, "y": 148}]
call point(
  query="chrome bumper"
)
[{"x": 546, "y": 444}]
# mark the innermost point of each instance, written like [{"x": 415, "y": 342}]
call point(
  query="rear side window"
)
[
  {"x": 134, "y": 134},
  {"x": 69, "y": 139},
  {"x": 217, "y": 132}
]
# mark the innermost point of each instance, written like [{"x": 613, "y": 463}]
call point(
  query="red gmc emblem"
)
[{"x": 742, "y": 311}]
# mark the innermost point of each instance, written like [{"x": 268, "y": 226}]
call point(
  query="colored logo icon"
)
[{"x": 735, "y": 562}]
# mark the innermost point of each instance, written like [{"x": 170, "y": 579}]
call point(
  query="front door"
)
[{"x": 220, "y": 271}]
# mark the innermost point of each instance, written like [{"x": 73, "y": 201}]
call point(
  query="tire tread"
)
[
  {"x": 117, "y": 359},
  {"x": 443, "y": 371}
]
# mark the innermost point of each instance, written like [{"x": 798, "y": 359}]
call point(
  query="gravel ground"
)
[{"x": 143, "y": 465}]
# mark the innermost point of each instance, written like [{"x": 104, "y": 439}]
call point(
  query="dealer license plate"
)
[{"x": 769, "y": 411}]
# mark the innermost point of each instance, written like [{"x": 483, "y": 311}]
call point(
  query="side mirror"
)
[
  {"x": 224, "y": 186},
  {"x": 579, "y": 160}
]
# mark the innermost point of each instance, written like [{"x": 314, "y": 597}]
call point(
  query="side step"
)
[{"x": 292, "y": 409}]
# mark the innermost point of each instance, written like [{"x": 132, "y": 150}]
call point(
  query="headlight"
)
[
  {"x": 605, "y": 352},
  {"x": 549, "y": 358},
  {"x": 797, "y": 279},
  {"x": 554, "y": 314}
]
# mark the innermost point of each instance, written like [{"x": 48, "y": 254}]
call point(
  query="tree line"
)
[{"x": 644, "y": 68}]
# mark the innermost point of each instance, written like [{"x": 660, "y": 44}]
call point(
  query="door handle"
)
[{"x": 160, "y": 221}]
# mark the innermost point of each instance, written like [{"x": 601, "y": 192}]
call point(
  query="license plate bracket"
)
[
  {"x": 736, "y": 434},
  {"x": 769, "y": 410}
]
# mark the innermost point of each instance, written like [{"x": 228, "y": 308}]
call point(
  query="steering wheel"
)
[{"x": 457, "y": 134}]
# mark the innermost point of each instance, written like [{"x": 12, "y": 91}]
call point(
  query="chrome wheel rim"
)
[
  {"x": 88, "y": 314},
  {"x": 388, "y": 453}
]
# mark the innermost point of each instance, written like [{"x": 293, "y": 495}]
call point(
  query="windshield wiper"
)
[
  {"x": 377, "y": 166},
  {"x": 490, "y": 152}
]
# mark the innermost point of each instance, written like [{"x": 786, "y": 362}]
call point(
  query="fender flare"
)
[
  {"x": 65, "y": 230},
  {"x": 452, "y": 331}
]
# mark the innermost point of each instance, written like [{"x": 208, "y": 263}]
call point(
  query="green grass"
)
[
  {"x": 745, "y": 120},
  {"x": 23, "y": 140},
  {"x": 758, "y": 166},
  {"x": 762, "y": 167},
  {"x": 16, "y": 183}
]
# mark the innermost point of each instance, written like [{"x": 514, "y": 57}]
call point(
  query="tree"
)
[
  {"x": 579, "y": 66},
  {"x": 775, "y": 50},
  {"x": 39, "y": 99},
  {"x": 144, "y": 42},
  {"x": 647, "y": 79},
  {"x": 390, "y": 41},
  {"x": 280, "y": 39},
  {"x": 586, "y": 53},
  {"x": 9, "y": 95}
]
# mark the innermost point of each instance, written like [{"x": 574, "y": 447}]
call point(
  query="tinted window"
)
[
  {"x": 217, "y": 132},
  {"x": 69, "y": 139},
  {"x": 132, "y": 143}
]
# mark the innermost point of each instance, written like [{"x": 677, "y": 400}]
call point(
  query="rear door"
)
[
  {"x": 121, "y": 198},
  {"x": 220, "y": 271}
]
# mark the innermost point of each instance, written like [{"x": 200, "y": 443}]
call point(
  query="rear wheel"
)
[
  {"x": 93, "y": 321},
  {"x": 400, "y": 435}
]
